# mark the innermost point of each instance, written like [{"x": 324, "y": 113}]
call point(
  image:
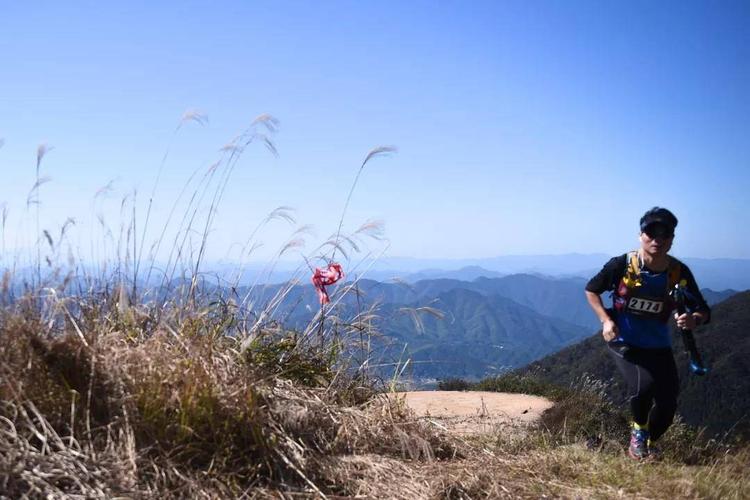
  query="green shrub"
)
[
  {"x": 521, "y": 384},
  {"x": 454, "y": 384},
  {"x": 585, "y": 413}
]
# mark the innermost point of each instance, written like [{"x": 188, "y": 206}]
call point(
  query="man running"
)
[{"x": 636, "y": 328}]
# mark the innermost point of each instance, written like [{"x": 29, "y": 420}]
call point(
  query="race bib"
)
[{"x": 640, "y": 305}]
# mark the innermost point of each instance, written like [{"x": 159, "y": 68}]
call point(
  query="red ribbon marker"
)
[{"x": 324, "y": 277}]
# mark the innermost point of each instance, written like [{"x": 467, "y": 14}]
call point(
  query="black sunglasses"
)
[{"x": 658, "y": 231}]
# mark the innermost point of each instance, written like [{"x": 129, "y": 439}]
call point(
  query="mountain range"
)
[
  {"x": 716, "y": 273},
  {"x": 488, "y": 325},
  {"x": 479, "y": 335}
]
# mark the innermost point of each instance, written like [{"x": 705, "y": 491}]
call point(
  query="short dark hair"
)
[{"x": 658, "y": 215}]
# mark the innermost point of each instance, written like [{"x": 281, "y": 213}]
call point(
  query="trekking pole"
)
[{"x": 688, "y": 339}]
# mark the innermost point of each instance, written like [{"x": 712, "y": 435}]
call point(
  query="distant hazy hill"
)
[
  {"x": 558, "y": 297},
  {"x": 555, "y": 297},
  {"x": 717, "y": 274},
  {"x": 720, "y": 274},
  {"x": 482, "y": 331},
  {"x": 714, "y": 297},
  {"x": 562, "y": 264},
  {"x": 489, "y": 324},
  {"x": 468, "y": 273},
  {"x": 479, "y": 335},
  {"x": 719, "y": 400}
]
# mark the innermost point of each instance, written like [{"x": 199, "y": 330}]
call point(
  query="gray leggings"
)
[{"x": 653, "y": 385}]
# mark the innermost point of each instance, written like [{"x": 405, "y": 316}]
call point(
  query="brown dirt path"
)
[{"x": 474, "y": 412}]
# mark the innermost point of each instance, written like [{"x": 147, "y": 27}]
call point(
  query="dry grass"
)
[
  {"x": 92, "y": 406},
  {"x": 99, "y": 400},
  {"x": 575, "y": 472},
  {"x": 112, "y": 384}
]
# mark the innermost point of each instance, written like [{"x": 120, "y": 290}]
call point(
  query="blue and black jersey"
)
[{"x": 642, "y": 317}]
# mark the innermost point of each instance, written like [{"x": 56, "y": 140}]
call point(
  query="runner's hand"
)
[
  {"x": 685, "y": 321},
  {"x": 610, "y": 331}
]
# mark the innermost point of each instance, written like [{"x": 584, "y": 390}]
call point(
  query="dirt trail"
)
[{"x": 475, "y": 412}]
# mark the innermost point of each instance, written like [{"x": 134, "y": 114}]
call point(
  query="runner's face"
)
[{"x": 656, "y": 245}]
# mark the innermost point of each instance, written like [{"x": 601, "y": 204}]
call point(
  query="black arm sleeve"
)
[
  {"x": 609, "y": 276},
  {"x": 698, "y": 303}
]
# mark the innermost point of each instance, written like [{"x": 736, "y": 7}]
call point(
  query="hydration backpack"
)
[{"x": 626, "y": 294}]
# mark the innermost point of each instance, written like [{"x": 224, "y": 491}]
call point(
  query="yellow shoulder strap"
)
[
  {"x": 634, "y": 264},
  {"x": 633, "y": 272}
]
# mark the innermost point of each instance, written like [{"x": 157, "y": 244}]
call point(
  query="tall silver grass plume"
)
[
  {"x": 270, "y": 145},
  {"x": 269, "y": 122},
  {"x": 33, "y": 197},
  {"x": 379, "y": 151},
  {"x": 305, "y": 229},
  {"x": 212, "y": 168},
  {"x": 292, "y": 244},
  {"x": 41, "y": 152},
  {"x": 271, "y": 125},
  {"x": 232, "y": 146},
  {"x": 403, "y": 283},
  {"x": 336, "y": 245},
  {"x": 351, "y": 242},
  {"x": 48, "y": 237},
  {"x": 283, "y": 213},
  {"x": 105, "y": 190},
  {"x": 124, "y": 202},
  {"x": 193, "y": 115},
  {"x": 40, "y": 182},
  {"x": 415, "y": 313},
  {"x": 256, "y": 245},
  {"x": 431, "y": 311},
  {"x": 70, "y": 221},
  {"x": 375, "y": 229}
]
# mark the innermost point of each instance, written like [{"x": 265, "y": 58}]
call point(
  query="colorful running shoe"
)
[{"x": 638, "y": 448}]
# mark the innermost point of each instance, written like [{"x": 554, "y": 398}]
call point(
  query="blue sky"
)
[{"x": 522, "y": 127}]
